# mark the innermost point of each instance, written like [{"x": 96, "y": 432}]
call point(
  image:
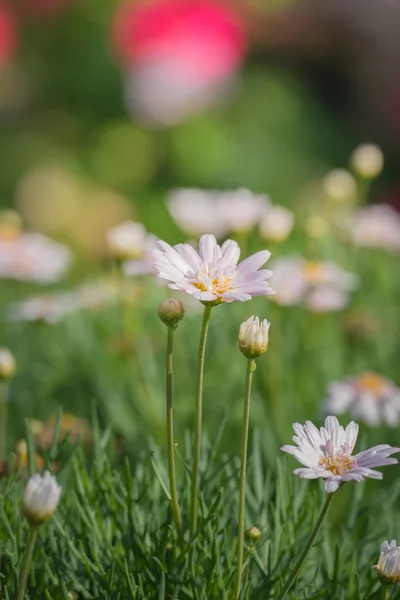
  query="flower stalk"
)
[
  {"x": 170, "y": 441},
  {"x": 303, "y": 556},
  {"x": 385, "y": 592},
  {"x": 251, "y": 367},
  {"x": 198, "y": 420},
  {"x": 24, "y": 573}
]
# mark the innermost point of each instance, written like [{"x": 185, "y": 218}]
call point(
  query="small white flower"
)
[
  {"x": 276, "y": 224},
  {"x": 212, "y": 275},
  {"x": 7, "y": 364},
  {"x": 253, "y": 337},
  {"x": 388, "y": 566},
  {"x": 199, "y": 211},
  {"x": 41, "y": 497},
  {"x": 376, "y": 226},
  {"x": 127, "y": 240},
  {"x": 327, "y": 453},
  {"x": 33, "y": 257},
  {"x": 340, "y": 186},
  {"x": 367, "y": 161},
  {"x": 369, "y": 397}
]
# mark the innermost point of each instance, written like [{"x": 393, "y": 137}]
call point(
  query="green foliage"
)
[{"x": 113, "y": 535}]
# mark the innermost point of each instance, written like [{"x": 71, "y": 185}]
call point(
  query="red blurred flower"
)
[
  {"x": 8, "y": 36},
  {"x": 203, "y": 35},
  {"x": 179, "y": 56}
]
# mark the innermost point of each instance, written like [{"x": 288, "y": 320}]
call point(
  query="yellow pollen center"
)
[
  {"x": 371, "y": 382},
  {"x": 217, "y": 287},
  {"x": 337, "y": 464},
  {"x": 314, "y": 271}
]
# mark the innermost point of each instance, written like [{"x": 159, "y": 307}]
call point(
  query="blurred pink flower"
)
[
  {"x": 8, "y": 36},
  {"x": 179, "y": 55}
]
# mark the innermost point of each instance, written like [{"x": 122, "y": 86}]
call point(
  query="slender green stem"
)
[
  {"x": 170, "y": 441},
  {"x": 298, "y": 566},
  {"x": 198, "y": 420},
  {"x": 385, "y": 592},
  {"x": 23, "y": 576},
  {"x": 251, "y": 367},
  {"x": 3, "y": 420}
]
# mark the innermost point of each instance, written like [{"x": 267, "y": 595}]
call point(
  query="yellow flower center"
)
[
  {"x": 371, "y": 382},
  {"x": 217, "y": 287},
  {"x": 314, "y": 271},
  {"x": 337, "y": 464}
]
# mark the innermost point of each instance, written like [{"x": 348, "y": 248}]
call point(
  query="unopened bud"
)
[
  {"x": 388, "y": 566},
  {"x": 171, "y": 312},
  {"x": 253, "y": 535},
  {"x": 41, "y": 497},
  {"x": 253, "y": 337},
  {"x": 340, "y": 186},
  {"x": 7, "y": 365},
  {"x": 367, "y": 161}
]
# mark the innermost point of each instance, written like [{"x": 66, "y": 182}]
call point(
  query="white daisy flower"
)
[
  {"x": 212, "y": 274},
  {"x": 127, "y": 240},
  {"x": 367, "y": 161},
  {"x": 388, "y": 566},
  {"x": 376, "y": 226},
  {"x": 368, "y": 397},
  {"x": 327, "y": 453},
  {"x": 33, "y": 257}
]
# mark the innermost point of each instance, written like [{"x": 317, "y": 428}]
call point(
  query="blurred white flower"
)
[
  {"x": 127, "y": 240},
  {"x": 388, "y": 566},
  {"x": 324, "y": 299},
  {"x": 241, "y": 210},
  {"x": 327, "y": 453},
  {"x": 33, "y": 257},
  {"x": 41, "y": 497},
  {"x": 7, "y": 364},
  {"x": 212, "y": 275},
  {"x": 276, "y": 224},
  {"x": 145, "y": 264},
  {"x": 199, "y": 211},
  {"x": 340, "y": 186},
  {"x": 253, "y": 337},
  {"x": 53, "y": 308},
  {"x": 367, "y": 161},
  {"x": 376, "y": 226},
  {"x": 323, "y": 286},
  {"x": 368, "y": 397}
]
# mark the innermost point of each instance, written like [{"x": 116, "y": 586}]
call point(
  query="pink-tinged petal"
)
[
  {"x": 289, "y": 449},
  {"x": 234, "y": 295},
  {"x": 332, "y": 485},
  {"x": 253, "y": 263},
  {"x": 209, "y": 250},
  {"x": 190, "y": 255},
  {"x": 307, "y": 473},
  {"x": 351, "y": 433},
  {"x": 230, "y": 253}
]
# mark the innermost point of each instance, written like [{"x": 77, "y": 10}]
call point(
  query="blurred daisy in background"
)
[
  {"x": 369, "y": 397},
  {"x": 53, "y": 308},
  {"x": 323, "y": 286},
  {"x": 33, "y": 257},
  {"x": 220, "y": 213},
  {"x": 376, "y": 226},
  {"x": 131, "y": 243}
]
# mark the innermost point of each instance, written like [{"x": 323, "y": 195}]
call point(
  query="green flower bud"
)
[{"x": 171, "y": 312}]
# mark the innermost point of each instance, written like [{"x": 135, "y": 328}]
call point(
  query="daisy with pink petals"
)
[
  {"x": 212, "y": 275},
  {"x": 327, "y": 453}
]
